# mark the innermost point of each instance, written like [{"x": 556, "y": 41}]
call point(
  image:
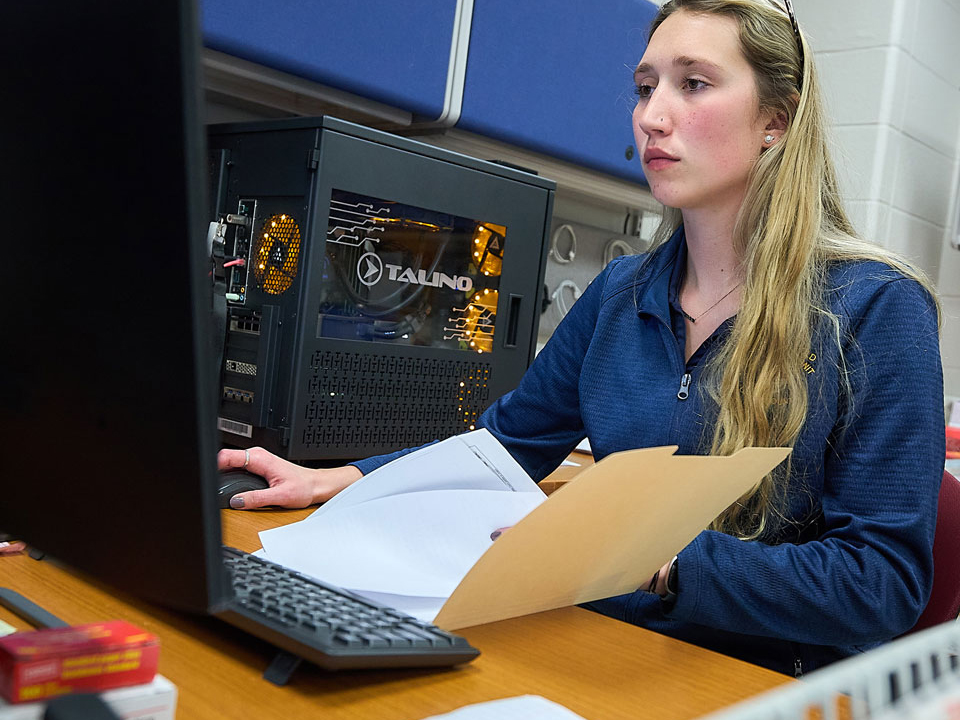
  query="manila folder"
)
[{"x": 605, "y": 533}]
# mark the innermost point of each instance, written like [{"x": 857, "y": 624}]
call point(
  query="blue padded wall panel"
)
[
  {"x": 393, "y": 52},
  {"x": 556, "y": 77}
]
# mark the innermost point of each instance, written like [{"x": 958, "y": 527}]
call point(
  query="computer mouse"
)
[{"x": 232, "y": 482}]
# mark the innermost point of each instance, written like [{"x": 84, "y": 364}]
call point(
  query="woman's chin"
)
[{"x": 666, "y": 198}]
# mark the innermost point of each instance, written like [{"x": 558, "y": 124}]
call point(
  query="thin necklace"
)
[{"x": 724, "y": 297}]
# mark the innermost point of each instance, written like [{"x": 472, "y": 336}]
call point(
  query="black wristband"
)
[
  {"x": 652, "y": 587},
  {"x": 672, "y": 580}
]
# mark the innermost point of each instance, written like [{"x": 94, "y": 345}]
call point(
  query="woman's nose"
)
[{"x": 652, "y": 116}]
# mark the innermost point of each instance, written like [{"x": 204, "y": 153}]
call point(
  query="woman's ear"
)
[{"x": 775, "y": 128}]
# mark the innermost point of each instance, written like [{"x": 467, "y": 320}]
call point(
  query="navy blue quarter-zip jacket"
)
[{"x": 852, "y": 566}]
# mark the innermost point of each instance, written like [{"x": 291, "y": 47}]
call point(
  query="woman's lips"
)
[
  {"x": 655, "y": 158},
  {"x": 660, "y": 163}
]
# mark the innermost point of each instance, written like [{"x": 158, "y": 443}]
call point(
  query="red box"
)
[
  {"x": 38, "y": 664},
  {"x": 953, "y": 441}
]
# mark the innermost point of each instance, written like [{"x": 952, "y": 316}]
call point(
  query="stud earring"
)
[{"x": 768, "y": 139}]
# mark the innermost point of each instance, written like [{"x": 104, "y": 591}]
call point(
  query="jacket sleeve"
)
[
  {"x": 539, "y": 422},
  {"x": 868, "y": 575}
]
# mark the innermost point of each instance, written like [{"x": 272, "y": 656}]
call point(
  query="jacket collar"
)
[{"x": 661, "y": 279}]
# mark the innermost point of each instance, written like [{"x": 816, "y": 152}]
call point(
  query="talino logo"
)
[
  {"x": 369, "y": 268},
  {"x": 370, "y": 271},
  {"x": 398, "y": 273}
]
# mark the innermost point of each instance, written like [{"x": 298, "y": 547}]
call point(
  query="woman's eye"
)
[
  {"x": 694, "y": 84},
  {"x": 644, "y": 91}
]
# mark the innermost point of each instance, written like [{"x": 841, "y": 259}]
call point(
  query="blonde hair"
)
[{"x": 790, "y": 227}]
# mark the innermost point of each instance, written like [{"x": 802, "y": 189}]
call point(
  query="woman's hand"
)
[{"x": 291, "y": 486}]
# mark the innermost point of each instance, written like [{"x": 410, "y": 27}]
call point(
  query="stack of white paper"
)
[{"x": 406, "y": 534}]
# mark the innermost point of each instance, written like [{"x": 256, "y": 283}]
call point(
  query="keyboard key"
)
[
  {"x": 414, "y": 640},
  {"x": 374, "y": 640},
  {"x": 348, "y": 639}
]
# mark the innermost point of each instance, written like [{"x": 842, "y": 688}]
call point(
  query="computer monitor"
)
[{"x": 107, "y": 374}]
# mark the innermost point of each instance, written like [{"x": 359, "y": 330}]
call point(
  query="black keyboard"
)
[{"x": 328, "y": 626}]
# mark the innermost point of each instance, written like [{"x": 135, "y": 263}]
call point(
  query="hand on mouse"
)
[{"x": 291, "y": 486}]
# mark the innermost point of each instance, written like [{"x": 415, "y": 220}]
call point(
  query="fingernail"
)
[
  {"x": 236, "y": 502},
  {"x": 495, "y": 534}
]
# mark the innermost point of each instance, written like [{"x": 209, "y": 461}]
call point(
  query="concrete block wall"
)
[{"x": 891, "y": 75}]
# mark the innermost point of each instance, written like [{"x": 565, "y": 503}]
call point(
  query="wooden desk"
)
[
  {"x": 565, "y": 473},
  {"x": 597, "y": 667}
]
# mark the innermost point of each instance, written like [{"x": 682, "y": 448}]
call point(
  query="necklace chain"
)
[{"x": 722, "y": 298}]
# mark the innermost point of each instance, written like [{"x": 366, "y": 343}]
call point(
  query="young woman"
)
[{"x": 758, "y": 319}]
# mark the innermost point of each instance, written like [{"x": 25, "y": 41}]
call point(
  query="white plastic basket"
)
[{"x": 915, "y": 677}]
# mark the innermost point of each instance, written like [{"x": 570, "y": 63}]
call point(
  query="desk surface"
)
[{"x": 597, "y": 667}]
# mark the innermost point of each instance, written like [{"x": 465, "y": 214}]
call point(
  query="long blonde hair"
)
[{"x": 790, "y": 227}]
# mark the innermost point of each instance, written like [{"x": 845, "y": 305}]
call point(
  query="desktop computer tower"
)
[{"x": 380, "y": 292}]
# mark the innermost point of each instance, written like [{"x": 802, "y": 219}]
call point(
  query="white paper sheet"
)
[
  {"x": 524, "y": 707},
  {"x": 422, "y": 608},
  {"x": 406, "y": 534},
  {"x": 475, "y": 460},
  {"x": 419, "y": 543}
]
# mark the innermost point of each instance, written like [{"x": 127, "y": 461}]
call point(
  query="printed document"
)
[{"x": 406, "y": 533}]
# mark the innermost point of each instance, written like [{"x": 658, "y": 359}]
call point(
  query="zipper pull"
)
[
  {"x": 797, "y": 668},
  {"x": 684, "y": 390}
]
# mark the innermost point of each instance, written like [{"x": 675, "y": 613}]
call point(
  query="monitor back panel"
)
[
  {"x": 107, "y": 380},
  {"x": 389, "y": 291}
]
